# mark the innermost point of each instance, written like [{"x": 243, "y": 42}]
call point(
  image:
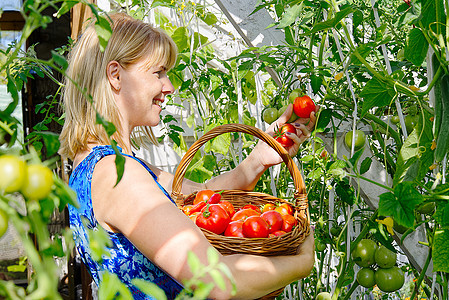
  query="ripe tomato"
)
[
  {"x": 253, "y": 207},
  {"x": 203, "y": 196},
  {"x": 365, "y": 277},
  {"x": 268, "y": 207},
  {"x": 235, "y": 229},
  {"x": 214, "y": 218},
  {"x": 363, "y": 253},
  {"x": 277, "y": 233},
  {"x": 303, "y": 106},
  {"x": 384, "y": 258},
  {"x": 3, "y": 222},
  {"x": 359, "y": 140},
  {"x": 284, "y": 209},
  {"x": 389, "y": 280},
  {"x": 255, "y": 227},
  {"x": 269, "y": 115},
  {"x": 243, "y": 214},
  {"x": 38, "y": 183},
  {"x": 289, "y": 222},
  {"x": 228, "y": 207},
  {"x": 12, "y": 173},
  {"x": 273, "y": 219},
  {"x": 282, "y": 137}
]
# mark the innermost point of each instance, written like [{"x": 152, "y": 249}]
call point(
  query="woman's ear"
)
[{"x": 113, "y": 72}]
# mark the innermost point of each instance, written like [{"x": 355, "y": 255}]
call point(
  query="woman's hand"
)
[{"x": 267, "y": 156}]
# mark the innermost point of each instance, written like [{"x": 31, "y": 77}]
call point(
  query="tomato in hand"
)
[
  {"x": 253, "y": 207},
  {"x": 228, "y": 207},
  {"x": 289, "y": 222},
  {"x": 363, "y": 253},
  {"x": 214, "y": 218},
  {"x": 285, "y": 209},
  {"x": 389, "y": 280},
  {"x": 255, "y": 227},
  {"x": 235, "y": 229},
  {"x": 281, "y": 135},
  {"x": 243, "y": 214},
  {"x": 203, "y": 196},
  {"x": 303, "y": 106},
  {"x": 273, "y": 219}
]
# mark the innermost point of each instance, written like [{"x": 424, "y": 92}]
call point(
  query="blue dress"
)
[{"x": 125, "y": 260}]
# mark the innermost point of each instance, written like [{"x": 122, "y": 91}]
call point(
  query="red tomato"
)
[
  {"x": 203, "y": 196},
  {"x": 253, "y": 207},
  {"x": 214, "y": 218},
  {"x": 277, "y": 233},
  {"x": 243, "y": 214},
  {"x": 284, "y": 209},
  {"x": 303, "y": 106},
  {"x": 289, "y": 222},
  {"x": 273, "y": 219},
  {"x": 268, "y": 207},
  {"x": 228, "y": 207},
  {"x": 282, "y": 137},
  {"x": 235, "y": 229},
  {"x": 255, "y": 227}
]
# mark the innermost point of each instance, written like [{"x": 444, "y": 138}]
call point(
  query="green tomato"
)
[
  {"x": 394, "y": 119},
  {"x": 323, "y": 296},
  {"x": 293, "y": 117},
  {"x": 389, "y": 280},
  {"x": 359, "y": 140},
  {"x": 3, "y": 222},
  {"x": 293, "y": 94},
  {"x": 385, "y": 258},
  {"x": 12, "y": 173},
  {"x": 426, "y": 208},
  {"x": 363, "y": 253},
  {"x": 320, "y": 246},
  {"x": 365, "y": 277},
  {"x": 269, "y": 115},
  {"x": 410, "y": 123},
  {"x": 335, "y": 230},
  {"x": 39, "y": 182}
]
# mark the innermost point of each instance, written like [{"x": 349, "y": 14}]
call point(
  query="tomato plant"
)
[
  {"x": 270, "y": 114},
  {"x": 365, "y": 277},
  {"x": 359, "y": 140},
  {"x": 363, "y": 253},
  {"x": 214, "y": 218},
  {"x": 389, "y": 280},
  {"x": 273, "y": 219},
  {"x": 3, "y": 222},
  {"x": 203, "y": 196},
  {"x": 235, "y": 228},
  {"x": 255, "y": 227},
  {"x": 282, "y": 137},
  {"x": 384, "y": 258},
  {"x": 303, "y": 106},
  {"x": 13, "y": 173},
  {"x": 38, "y": 183},
  {"x": 243, "y": 214}
]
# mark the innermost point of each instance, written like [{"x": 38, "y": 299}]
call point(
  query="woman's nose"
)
[{"x": 168, "y": 87}]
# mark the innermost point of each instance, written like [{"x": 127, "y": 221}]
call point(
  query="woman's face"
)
[{"x": 141, "y": 93}]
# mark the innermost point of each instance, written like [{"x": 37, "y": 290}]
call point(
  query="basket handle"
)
[{"x": 187, "y": 158}]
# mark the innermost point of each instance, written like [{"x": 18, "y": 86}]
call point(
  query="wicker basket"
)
[{"x": 286, "y": 244}]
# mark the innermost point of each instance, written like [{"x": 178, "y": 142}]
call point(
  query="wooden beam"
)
[
  {"x": 11, "y": 20},
  {"x": 80, "y": 16}
]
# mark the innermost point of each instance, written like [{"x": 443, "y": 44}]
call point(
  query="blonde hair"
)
[{"x": 132, "y": 41}]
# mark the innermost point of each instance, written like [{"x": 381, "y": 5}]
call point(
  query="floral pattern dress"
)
[{"x": 124, "y": 259}]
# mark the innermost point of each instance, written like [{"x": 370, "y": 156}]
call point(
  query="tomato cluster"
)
[
  {"x": 219, "y": 216},
  {"x": 378, "y": 266},
  {"x": 33, "y": 180}
]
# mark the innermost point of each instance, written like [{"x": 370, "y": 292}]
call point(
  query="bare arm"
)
[{"x": 138, "y": 208}]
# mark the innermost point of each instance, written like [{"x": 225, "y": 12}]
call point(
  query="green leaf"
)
[
  {"x": 65, "y": 7},
  {"x": 194, "y": 262},
  {"x": 181, "y": 38},
  {"x": 290, "y": 15},
  {"x": 119, "y": 162},
  {"x": 323, "y": 119},
  {"x": 366, "y": 164},
  {"x": 59, "y": 60},
  {"x": 440, "y": 253},
  {"x": 212, "y": 256},
  {"x": 400, "y": 204},
  {"x": 416, "y": 47},
  {"x": 203, "y": 290},
  {"x": 209, "y": 18},
  {"x": 111, "y": 286},
  {"x": 376, "y": 93},
  {"x": 316, "y": 82},
  {"x": 104, "y": 31},
  {"x": 218, "y": 279},
  {"x": 149, "y": 288},
  {"x": 330, "y": 23},
  {"x": 108, "y": 126},
  {"x": 345, "y": 192},
  {"x": 51, "y": 141},
  {"x": 13, "y": 90}
]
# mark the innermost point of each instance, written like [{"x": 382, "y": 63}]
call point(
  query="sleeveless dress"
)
[{"x": 125, "y": 260}]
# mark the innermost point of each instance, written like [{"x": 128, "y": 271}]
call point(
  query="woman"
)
[{"x": 151, "y": 237}]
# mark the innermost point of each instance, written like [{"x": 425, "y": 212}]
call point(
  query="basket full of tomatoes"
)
[{"x": 236, "y": 221}]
